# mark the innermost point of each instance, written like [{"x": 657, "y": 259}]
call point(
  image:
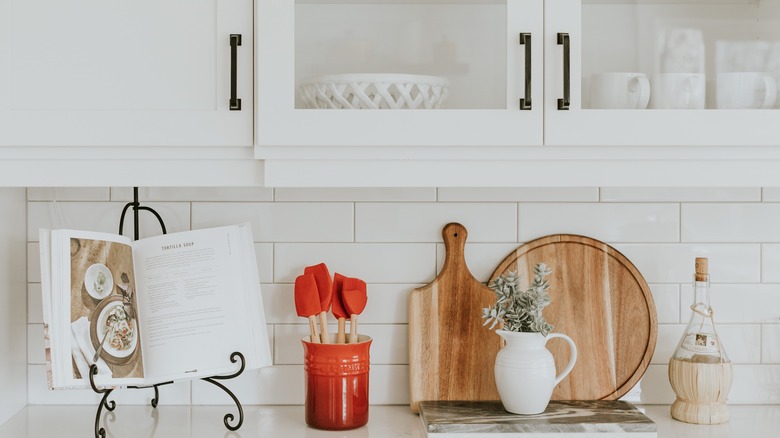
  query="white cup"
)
[
  {"x": 677, "y": 91},
  {"x": 745, "y": 90},
  {"x": 619, "y": 91}
]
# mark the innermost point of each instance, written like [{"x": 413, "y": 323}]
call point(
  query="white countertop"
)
[{"x": 288, "y": 421}]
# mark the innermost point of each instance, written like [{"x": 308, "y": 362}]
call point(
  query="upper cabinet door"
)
[
  {"x": 335, "y": 73},
  {"x": 662, "y": 73},
  {"x": 126, "y": 73}
]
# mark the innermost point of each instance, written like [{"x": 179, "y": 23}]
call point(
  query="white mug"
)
[
  {"x": 619, "y": 91},
  {"x": 677, "y": 91},
  {"x": 745, "y": 90}
]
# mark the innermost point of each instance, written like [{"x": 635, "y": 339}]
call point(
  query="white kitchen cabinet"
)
[
  {"x": 127, "y": 93},
  {"x": 140, "y": 73},
  {"x": 474, "y": 44},
  {"x": 712, "y": 67},
  {"x": 480, "y": 137}
]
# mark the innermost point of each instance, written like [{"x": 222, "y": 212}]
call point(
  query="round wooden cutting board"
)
[{"x": 602, "y": 302}]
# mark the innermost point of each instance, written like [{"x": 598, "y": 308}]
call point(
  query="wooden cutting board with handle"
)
[
  {"x": 599, "y": 299},
  {"x": 451, "y": 355}
]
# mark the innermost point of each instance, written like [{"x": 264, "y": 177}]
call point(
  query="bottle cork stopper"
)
[{"x": 701, "y": 268}]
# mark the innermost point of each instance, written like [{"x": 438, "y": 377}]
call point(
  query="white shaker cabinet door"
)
[{"x": 125, "y": 73}]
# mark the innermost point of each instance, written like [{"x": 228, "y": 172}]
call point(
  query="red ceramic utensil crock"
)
[{"x": 336, "y": 384}]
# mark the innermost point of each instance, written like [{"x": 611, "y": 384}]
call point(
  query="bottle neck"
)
[{"x": 701, "y": 293}]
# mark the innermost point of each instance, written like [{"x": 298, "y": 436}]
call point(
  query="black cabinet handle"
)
[
  {"x": 235, "y": 41},
  {"x": 525, "y": 40},
  {"x": 563, "y": 104}
]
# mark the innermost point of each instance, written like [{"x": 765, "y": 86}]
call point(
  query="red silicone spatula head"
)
[
  {"x": 324, "y": 284},
  {"x": 337, "y": 302},
  {"x": 307, "y": 301},
  {"x": 354, "y": 295}
]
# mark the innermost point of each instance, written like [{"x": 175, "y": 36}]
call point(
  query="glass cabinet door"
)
[
  {"x": 399, "y": 73},
  {"x": 663, "y": 72}
]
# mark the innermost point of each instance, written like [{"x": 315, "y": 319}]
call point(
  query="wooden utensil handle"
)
[
  {"x": 313, "y": 333},
  {"x": 353, "y": 335},
  {"x": 324, "y": 335},
  {"x": 341, "y": 336}
]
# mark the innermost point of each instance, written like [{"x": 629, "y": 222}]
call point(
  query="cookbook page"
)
[
  {"x": 99, "y": 313},
  {"x": 194, "y": 302}
]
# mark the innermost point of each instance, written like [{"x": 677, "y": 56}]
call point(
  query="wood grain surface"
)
[
  {"x": 451, "y": 355},
  {"x": 603, "y": 303}
]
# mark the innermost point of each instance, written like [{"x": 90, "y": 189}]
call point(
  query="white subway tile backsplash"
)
[
  {"x": 741, "y": 342},
  {"x": 770, "y": 263},
  {"x": 35, "y": 351},
  {"x": 281, "y": 222},
  {"x": 770, "y": 194},
  {"x": 770, "y": 340},
  {"x": 278, "y": 384},
  {"x": 606, "y": 222},
  {"x": 680, "y": 194},
  {"x": 730, "y": 222},
  {"x": 738, "y": 303},
  {"x": 674, "y": 263},
  {"x": 519, "y": 194},
  {"x": 34, "y": 303},
  {"x": 355, "y": 194},
  {"x": 284, "y": 385},
  {"x": 387, "y": 304},
  {"x": 39, "y": 394},
  {"x": 372, "y": 262},
  {"x": 667, "y": 302},
  {"x": 33, "y": 263},
  {"x": 193, "y": 194},
  {"x": 392, "y": 239},
  {"x": 481, "y": 258},
  {"x": 264, "y": 253},
  {"x": 401, "y": 222},
  {"x": 654, "y": 387},
  {"x": 755, "y": 384},
  {"x": 666, "y": 342},
  {"x": 388, "y": 345},
  {"x": 68, "y": 194},
  {"x": 104, "y": 216}
]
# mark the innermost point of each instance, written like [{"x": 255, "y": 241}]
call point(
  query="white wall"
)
[
  {"x": 13, "y": 307},
  {"x": 391, "y": 238}
]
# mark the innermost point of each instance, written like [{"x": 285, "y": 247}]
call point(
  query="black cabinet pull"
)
[
  {"x": 525, "y": 40},
  {"x": 235, "y": 41},
  {"x": 563, "y": 104}
]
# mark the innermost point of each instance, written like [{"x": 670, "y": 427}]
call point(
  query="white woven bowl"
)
[{"x": 374, "y": 91}]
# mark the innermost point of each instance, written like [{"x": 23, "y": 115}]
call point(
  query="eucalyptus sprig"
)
[{"x": 520, "y": 310}]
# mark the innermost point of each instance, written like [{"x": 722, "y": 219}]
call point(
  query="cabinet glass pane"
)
[
  {"x": 464, "y": 42},
  {"x": 689, "y": 54}
]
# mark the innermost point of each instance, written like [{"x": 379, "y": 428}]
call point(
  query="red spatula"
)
[
  {"x": 355, "y": 298},
  {"x": 307, "y": 303},
  {"x": 337, "y": 307},
  {"x": 325, "y": 291}
]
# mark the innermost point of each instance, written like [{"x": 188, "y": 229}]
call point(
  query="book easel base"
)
[{"x": 110, "y": 405}]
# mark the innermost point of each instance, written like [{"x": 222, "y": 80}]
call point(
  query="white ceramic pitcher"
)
[{"x": 525, "y": 371}]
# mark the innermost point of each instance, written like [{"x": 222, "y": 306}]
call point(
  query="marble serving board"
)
[{"x": 580, "y": 419}]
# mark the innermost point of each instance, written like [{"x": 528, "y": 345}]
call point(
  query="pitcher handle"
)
[{"x": 572, "y": 359}]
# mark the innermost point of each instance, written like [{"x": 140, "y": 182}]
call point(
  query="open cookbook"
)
[{"x": 158, "y": 309}]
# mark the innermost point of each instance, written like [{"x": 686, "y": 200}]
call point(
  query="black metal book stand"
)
[{"x": 110, "y": 405}]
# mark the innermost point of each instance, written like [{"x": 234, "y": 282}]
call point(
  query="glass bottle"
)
[{"x": 700, "y": 371}]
